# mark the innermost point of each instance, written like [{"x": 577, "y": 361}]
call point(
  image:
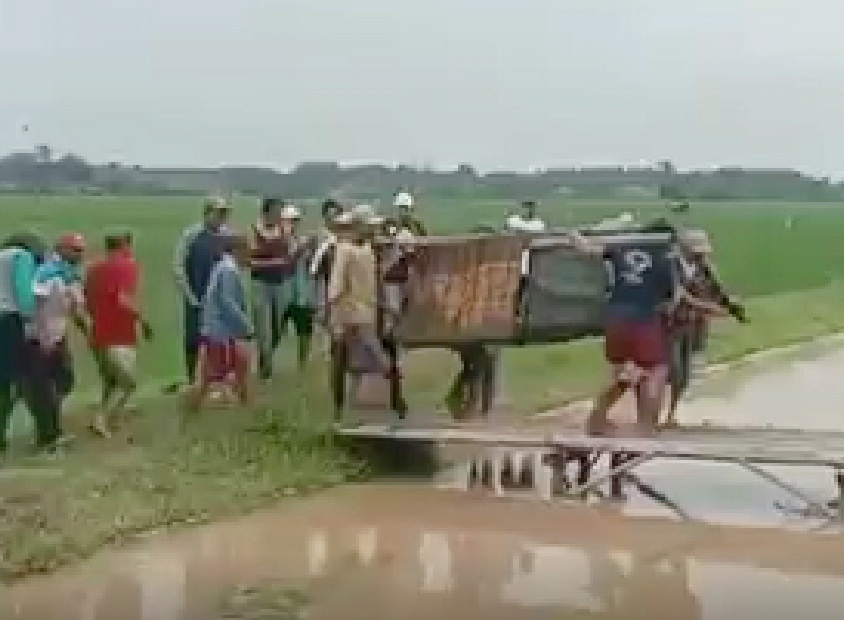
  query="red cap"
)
[{"x": 74, "y": 242}]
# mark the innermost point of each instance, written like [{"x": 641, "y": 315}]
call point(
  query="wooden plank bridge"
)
[{"x": 554, "y": 447}]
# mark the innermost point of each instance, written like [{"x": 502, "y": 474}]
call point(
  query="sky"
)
[{"x": 501, "y": 84}]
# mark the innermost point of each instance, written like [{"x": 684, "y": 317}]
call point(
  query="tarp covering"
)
[
  {"x": 565, "y": 294},
  {"x": 462, "y": 289}
]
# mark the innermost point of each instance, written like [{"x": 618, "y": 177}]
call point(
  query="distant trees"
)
[{"x": 41, "y": 169}]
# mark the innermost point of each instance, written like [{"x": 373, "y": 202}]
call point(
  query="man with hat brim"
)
[
  {"x": 688, "y": 322},
  {"x": 352, "y": 302},
  {"x": 195, "y": 255},
  {"x": 405, "y": 205}
]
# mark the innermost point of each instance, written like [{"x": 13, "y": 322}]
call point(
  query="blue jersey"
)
[{"x": 641, "y": 277}]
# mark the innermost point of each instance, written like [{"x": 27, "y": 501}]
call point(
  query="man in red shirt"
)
[{"x": 111, "y": 285}]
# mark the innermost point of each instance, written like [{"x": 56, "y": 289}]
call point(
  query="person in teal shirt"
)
[{"x": 19, "y": 256}]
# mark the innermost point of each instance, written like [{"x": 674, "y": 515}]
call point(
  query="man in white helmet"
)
[
  {"x": 404, "y": 204},
  {"x": 527, "y": 220}
]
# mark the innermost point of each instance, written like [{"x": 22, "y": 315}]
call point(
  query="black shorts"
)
[{"x": 302, "y": 318}]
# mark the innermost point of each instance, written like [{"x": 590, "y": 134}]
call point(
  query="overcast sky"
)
[{"x": 498, "y": 83}]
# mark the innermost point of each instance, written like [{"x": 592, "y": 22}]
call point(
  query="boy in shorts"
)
[{"x": 111, "y": 287}]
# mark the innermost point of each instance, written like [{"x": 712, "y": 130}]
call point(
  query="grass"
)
[{"x": 228, "y": 462}]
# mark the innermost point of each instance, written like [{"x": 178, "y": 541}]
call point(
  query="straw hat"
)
[{"x": 695, "y": 241}]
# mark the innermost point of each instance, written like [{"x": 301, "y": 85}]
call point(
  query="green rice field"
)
[
  {"x": 785, "y": 258},
  {"x": 762, "y": 249}
]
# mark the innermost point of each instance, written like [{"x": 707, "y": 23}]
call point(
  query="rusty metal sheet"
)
[{"x": 462, "y": 290}]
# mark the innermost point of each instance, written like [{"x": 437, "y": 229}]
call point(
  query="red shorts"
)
[
  {"x": 220, "y": 360},
  {"x": 643, "y": 344}
]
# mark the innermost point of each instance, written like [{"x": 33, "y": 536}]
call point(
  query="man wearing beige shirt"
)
[{"x": 352, "y": 303}]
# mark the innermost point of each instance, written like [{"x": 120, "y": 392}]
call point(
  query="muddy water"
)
[
  {"x": 392, "y": 552},
  {"x": 793, "y": 393},
  {"x": 416, "y": 552}
]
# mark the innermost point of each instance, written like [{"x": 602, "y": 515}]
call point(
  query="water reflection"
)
[{"x": 429, "y": 555}]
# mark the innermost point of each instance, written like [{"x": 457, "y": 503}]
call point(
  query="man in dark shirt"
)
[
  {"x": 194, "y": 259},
  {"x": 643, "y": 283}
]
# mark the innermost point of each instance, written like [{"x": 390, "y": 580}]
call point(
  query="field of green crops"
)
[{"x": 761, "y": 248}]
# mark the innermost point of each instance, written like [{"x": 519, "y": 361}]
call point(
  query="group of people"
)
[
  {"x": 659, "y": 303},
  {"x": 326, "y": 280},
  {"x": 44, "y": 290}
]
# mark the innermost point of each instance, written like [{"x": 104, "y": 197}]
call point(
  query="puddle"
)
[
  {"x": 787, "y": 392},
  {"x": 411, "y": 552},
  {"x": 400, "y": 553}
]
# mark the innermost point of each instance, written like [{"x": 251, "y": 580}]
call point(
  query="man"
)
[
  {"x": 644, "y": 286},
  {"x": 19, "y": 257},
  {"x": 642, "y": 283},
  {"x": 48, "y": 371},
  {"x": 352, "y": 304},
  {"x": 111, "y": 286},
  {"x": 226, "y": 331},
  {"x": 687, "y": 324},
  {"x": 321, "y": 261},
  {"x": 404, "y": 203},
  {"x": 194, "y": 258},
  {"x": 273, "y": 268},
  {"x": 527, "y": 221}
]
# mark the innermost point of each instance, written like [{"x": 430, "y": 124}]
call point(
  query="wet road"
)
[
  {"x": 415, "y": 552},
  {"x": 799, "y": 393}
]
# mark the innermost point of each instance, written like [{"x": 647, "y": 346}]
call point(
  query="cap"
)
[
  {"x": 290, "y": 212},
  {"x": 73, "y": 242},
  {"x": 696, "y": 241},
  {"x": 403, "y": 200}
]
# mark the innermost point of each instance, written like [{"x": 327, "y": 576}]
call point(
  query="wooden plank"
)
[{"x": 761, "y": 446}]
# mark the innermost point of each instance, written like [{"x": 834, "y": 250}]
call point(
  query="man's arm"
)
[
  {"x": 706, "y": 307},
  {"x": 179, "y": 258},
  {"x": 77, "y": 307},
  {"x": 722, "y": 298},
  {"x": 584, "y": 245},
  {"x": 127, "y": 297},
  {"x": 319, "y": 256}
]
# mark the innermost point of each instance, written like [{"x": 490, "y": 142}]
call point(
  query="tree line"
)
[{"x": 42, "y": 170}]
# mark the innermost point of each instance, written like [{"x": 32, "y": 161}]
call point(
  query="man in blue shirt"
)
[
  {"x": 194, "y": 259},
  {"x": 642, "y": 286}
]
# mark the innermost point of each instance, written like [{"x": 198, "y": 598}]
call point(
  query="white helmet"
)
[
  {"x": 290, "y": 212},
  {"x": 403, "y": 200}
]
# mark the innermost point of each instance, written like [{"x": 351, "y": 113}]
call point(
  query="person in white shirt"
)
[{"x": 527, "y": 221}]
